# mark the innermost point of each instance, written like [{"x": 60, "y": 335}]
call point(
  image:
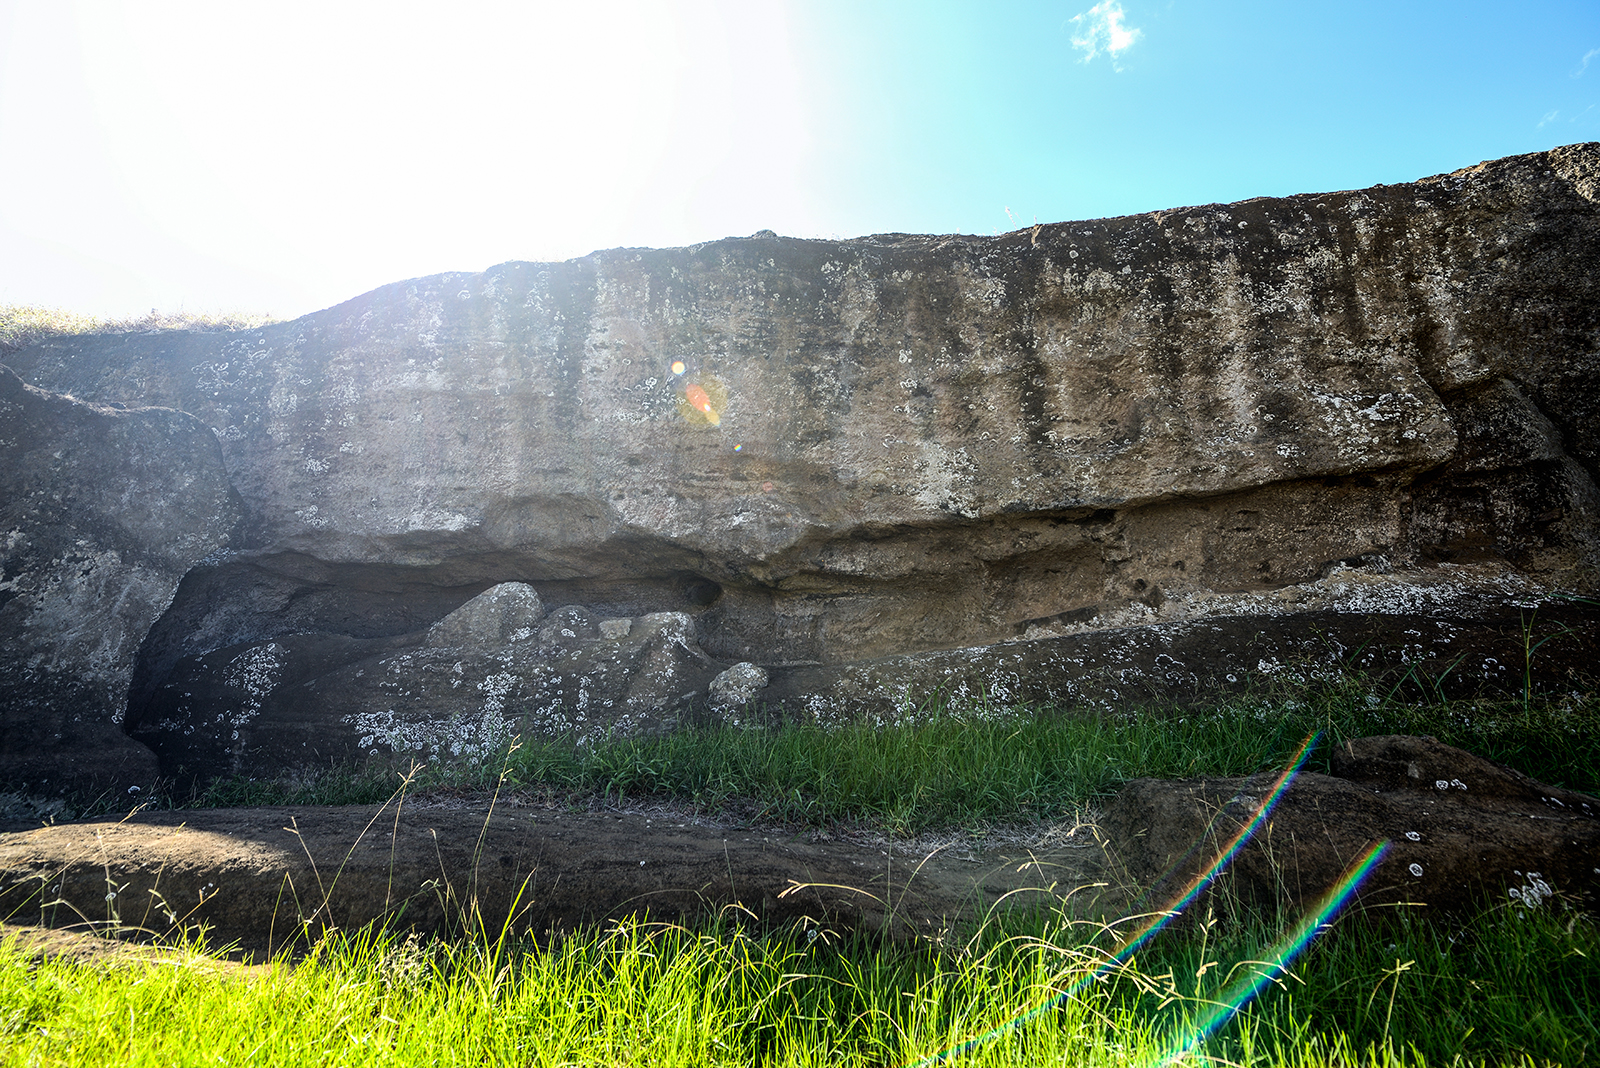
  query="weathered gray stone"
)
[
  {"x": 495, "y": 618},
  {"x": 102, "y": 511},
  {"x": 493, "y": 669},
  {"x": 939, "y": 438},
  {"x": 1461, "y": 832},
  {"x": 1446, "y": 638},
  {"x": 829, "y": 452},
  {"x": 734, "y": 689}
]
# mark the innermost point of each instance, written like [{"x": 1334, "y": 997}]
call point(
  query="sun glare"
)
[{"x": 348, "y": 145}]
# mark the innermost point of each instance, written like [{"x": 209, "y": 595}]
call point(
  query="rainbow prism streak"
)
[
  {"x": 1158, "y": 920},
  {"x": 1239, "y": 994}
]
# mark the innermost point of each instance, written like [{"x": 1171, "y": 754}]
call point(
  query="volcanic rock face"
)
[
  {"x": 824, "y": 452},
  {"x": 102, "y": 511},
  {"x": 463, "y": 689}
]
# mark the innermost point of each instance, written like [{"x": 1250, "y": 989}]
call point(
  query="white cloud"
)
[
  {"x": 1101, "y": 29},
  {"x": 1584, "y": 64},
  {"x": 1549, "y": 118}
]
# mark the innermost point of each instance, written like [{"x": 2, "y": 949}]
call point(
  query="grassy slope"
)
[
  {"x": 1512, "y": 986},
  {"x": 1508, "y": 988}
]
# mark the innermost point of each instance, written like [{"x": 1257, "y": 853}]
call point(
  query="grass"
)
[
  {"x": 982, "y": 766},
  {"x": 1509, "y": 986},
  {"x": 23, "y": 324}
]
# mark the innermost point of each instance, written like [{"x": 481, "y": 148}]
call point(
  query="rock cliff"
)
[
  {"x": 808, "y": 455},
  {"x": 102, "y": 512}
]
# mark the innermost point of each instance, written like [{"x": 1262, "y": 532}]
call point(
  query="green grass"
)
[
  {"x": 981, "y": 766},
  {"x": 1507, "y": 988},
  {"x": 22, "y": 324},
  {"x": 972, "y": 769}
]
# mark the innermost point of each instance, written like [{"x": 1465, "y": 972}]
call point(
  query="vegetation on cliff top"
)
[{"x": 24, "y": 324}]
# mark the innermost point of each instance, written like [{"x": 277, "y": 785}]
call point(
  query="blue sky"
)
[{"x": 281, "y": 157}]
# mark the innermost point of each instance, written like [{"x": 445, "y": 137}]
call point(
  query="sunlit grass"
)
[
  {"x": 24, "y": 324},
  {"x": 1510, "y": 987}
]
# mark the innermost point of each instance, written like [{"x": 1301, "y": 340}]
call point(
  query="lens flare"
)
[
  {"x": 1240, "y": 993},
  {"x": 677, "y": 367},
  {"x": 702, "y": 401},
  {"x": 1161, "y": 918}
]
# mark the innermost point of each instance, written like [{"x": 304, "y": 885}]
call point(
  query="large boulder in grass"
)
[
  {"x": 496, "y": 667},
  {"x": 102, "y": 512},
  {"x": 270, "y": 880},
  {"x": 1461, "y": 832},
  {"x": 839, "y": 457}
]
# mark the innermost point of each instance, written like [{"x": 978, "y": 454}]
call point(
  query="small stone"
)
[{"x": 737, "y": 686}]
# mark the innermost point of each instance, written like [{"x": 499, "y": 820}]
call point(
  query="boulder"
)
[
  {"x": 930, "y": 442},
  {"x": 733, "y": 691},
  {"x": 263, "y": 879},
  {"x": 102, "y": 512},
  {"x": 831, "y": 454},
  {"x": 1461, "y": 831}
]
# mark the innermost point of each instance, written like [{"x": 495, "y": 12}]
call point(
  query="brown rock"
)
[
  {"x": 1461, "y": 832},
  {"x": 274, "y": 878},
  {"x": 1457, "y": 645},
  {"x": 1399, "y": 762}
]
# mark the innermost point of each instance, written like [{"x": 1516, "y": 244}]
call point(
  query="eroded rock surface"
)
[
  {"x": 264, "y": 878},
  {"x": 496, "y": 667},
  {"x": 102, "y": 512},
  {"x": 1461, "y": 832},
  {"x": 1464, "y": 648},
  {"x": 824, "y": 453}
]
